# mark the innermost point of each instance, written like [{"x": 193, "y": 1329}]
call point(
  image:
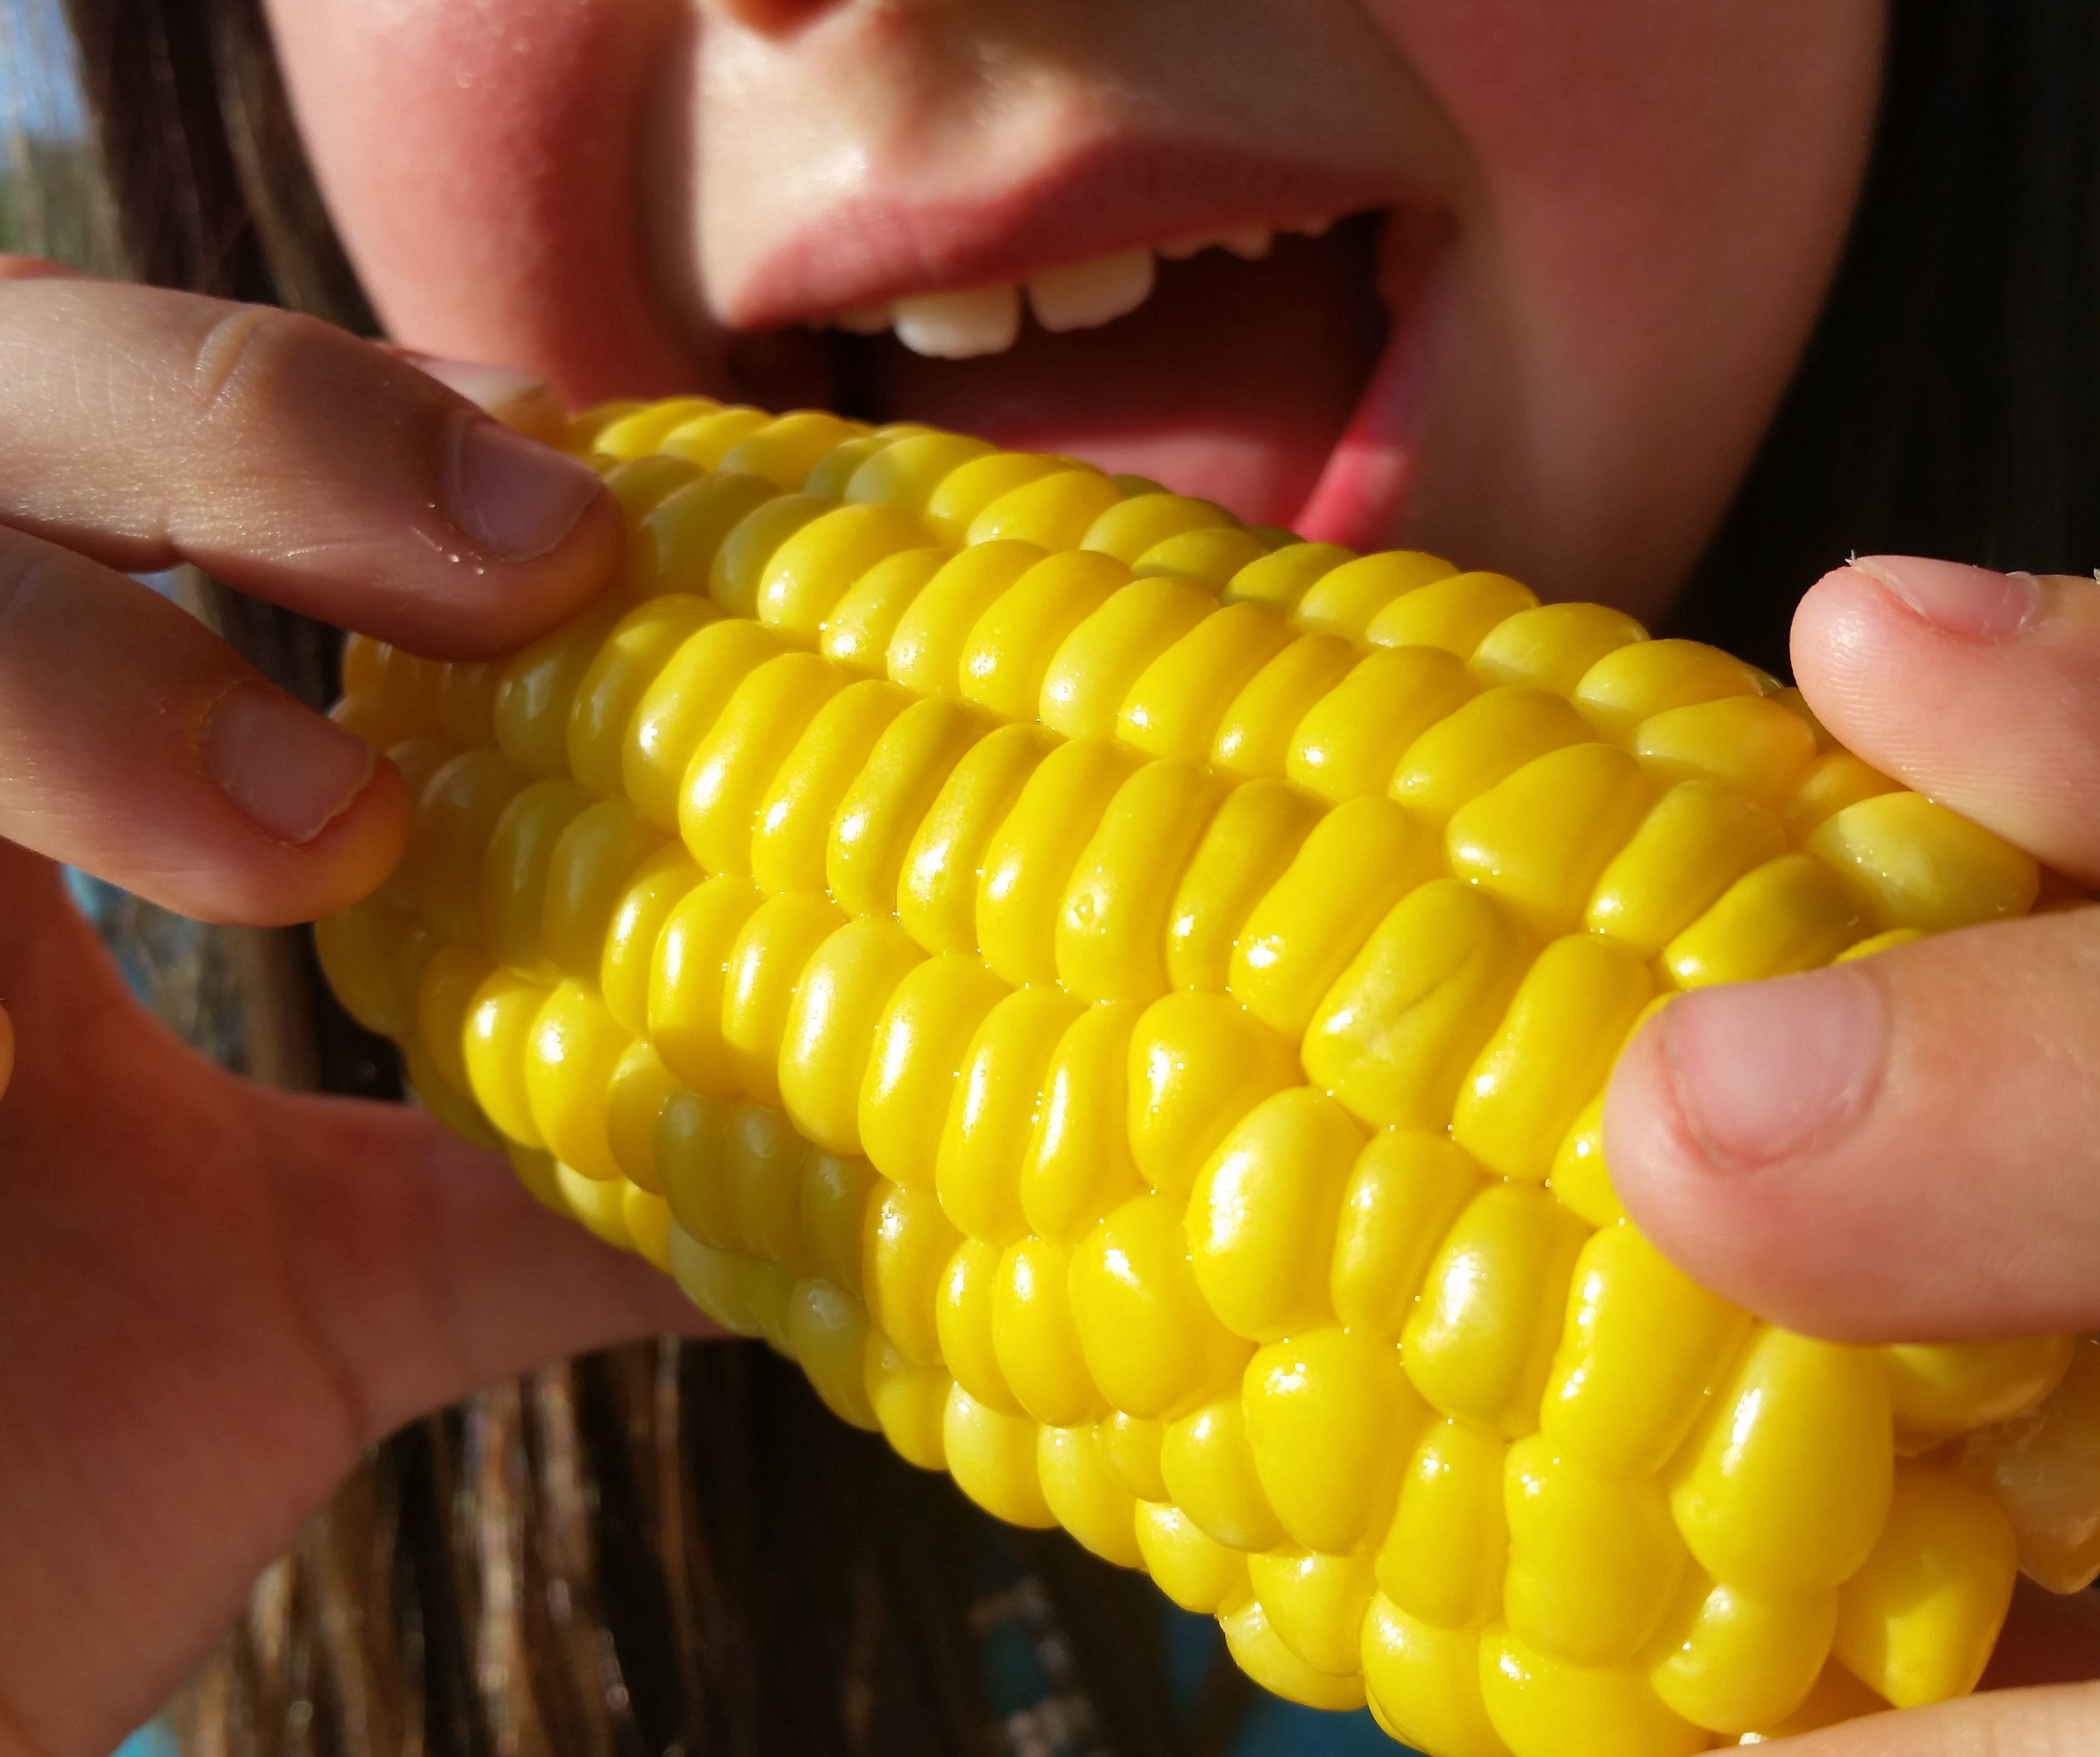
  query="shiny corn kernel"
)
[{"x": 1125, "y": 1001}]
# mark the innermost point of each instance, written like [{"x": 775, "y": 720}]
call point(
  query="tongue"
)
[{"x": 1233, "y": 380}]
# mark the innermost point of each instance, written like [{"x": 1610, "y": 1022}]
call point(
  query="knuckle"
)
[{"x": 242, "y": 358}]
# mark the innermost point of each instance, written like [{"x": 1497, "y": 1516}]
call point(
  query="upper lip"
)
[{"x": 870, "y": 247}]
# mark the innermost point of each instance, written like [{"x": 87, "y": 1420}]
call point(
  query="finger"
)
[
  {"x": 36, "y": 268},
  {"x": 2044, "y": 1723},
  {"x": 1902, "y": 1148},
  {"x": 1981, "y": 689},
  {"x": 143, "y": 427},
  {"x": 523, "y": 401},
  {"x": 135, "y": 743}
]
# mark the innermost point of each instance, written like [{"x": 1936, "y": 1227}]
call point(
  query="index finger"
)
[{"x": 289, "y": 459}]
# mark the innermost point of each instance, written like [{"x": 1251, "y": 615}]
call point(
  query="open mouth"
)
[{"x": 1269, "y": 369}]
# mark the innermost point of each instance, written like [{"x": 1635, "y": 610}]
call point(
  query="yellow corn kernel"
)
[
  {"x": 857, "y": 633},
  {"x": 1424, "y": 1682},
  {"x": 1553, "y": 646},
  {"x": 1480, "y": 1343},
  {"x": 456, "y": 811},
  {"x": 1920, "y": 865},
  {"x": 888, "y": 801},
  {"x": 807, "y": 576},
  {"x": 1214, "y": 557},
  {"x": 1008, "y": 651},
  {"x": 906, "y": 473},
  {"x": 963, "y": 1321},
  {"x": 539, "y": 684},
  {"x": 992, "y": 1458},
  {"x": 1699, "y": 839},
  {"x": 1078, "y": 1166},
  {"x": 592, "y": 864},
  {"x": 827, "y": 1329},
  {"x": 598, "y": 1205},
  {"x": 1350, "y": 741},
  {"x": 969, "y": 488},
  {"x": 1786, "y": 1487},
  {"x": 1129, "y": 528},
  {"x": 1252, "y": 837},
  {"x": 977, "y": 1172},
  {"x": 831, "y": 474},
  {"x": 1254, "y": 738},
  {"x": 1262, "y": 1215},
  {"x": 1358, "y": 860},
  {"x": 1403, "y": 1194},
  {"x": 765, "y": 965},
  {"x": 634, "y": 1100},
  {"x": 1555, "y": 1046},
  {"x": 738, "y": 566},
  {"x": 1316, "y": 1604},
  {"x": 466, "y": 703},
  {"x": 784, "y": 451},
  {"x": 1263, "y": 1655},
  {"x": 1627, "y": 687},
  {"x": 1394, "y": 1037},
  {"x": 709, "y": 1279},
  {"x": 1540, "y": 839},
  {"x": 499, "y": 1025},
  {"x": 1282, "y": 578},
  {"x": 1343, "y": 600},
  {"x": 933, "y": 635},
  {"x": 767, "y": 1290},
  {"x": 843, "y": 996},
  {"x": 1643, "y": 1347},
  {"x": 911, "y": 1400},
  {"x": 612, "y": 687},
  {"x": 1544, "y": 1707},
  {"x": 1790, "y": 914},
  {"x": 1112, "y": 922},
  {"x": 658, "y": 886},
  {"x": 445, "y": 991},
  {"x": 1442, "y": 1557},
  {"x": 1835, "y": 779},
  {"x": 1130, "y": 1449},
  {"x": 688, "y": 970},
  {"x": 1151, "y": 1343},
  {"x": 680, "y": 708},
  {"x": 1593, "y": 1565},
  {"x": 1951, "y": 1388},
  {"x": 1454, "y": 613},
  {"x": 1837, "y": 1696},
  {"x": 1031, "y": 855},
  {"x": 1198, "y": 1063},
  {"x": 1176, "y": 706},
  {"x": 1190, "y": 1566},
  {"x": 1085, "y": 1495},
  {"x": 1094, "y": 669},
  {"x": 672, "y": 548},
  {"x": 1054, "y": 511},
  {"x": 1732, "y": 1661},
  {"x": 909, "y": 1243},
  {"x": 833, "y": 1201},
  {"x": 1034, "y": 1337},
  {"x": 919, "y": 1046},
  {"x": 707, "y": 436},
  {"x": 647, "y": 1222},
  {"x": 734, "y": 768},
  {"x": 1208, "y": 1469},
  {"x": 761, "y": 1171},
  {"x": 570, "y": 1053},
  {"x": 2039, "y": 1467},
  {"x": 1916, "y": 1623},
  {"x": 1750, "y": 742},
  {"x": 1481, "y": 741},
  {"x": 936, "y": 896},
  {"x": 1331, "y": 1421},
  {"x": 692, "y": 1163},
  {"x": 792, "y": 837},
  {"x": 635, "y": 429},
  {"x": 510, "y": 904}
]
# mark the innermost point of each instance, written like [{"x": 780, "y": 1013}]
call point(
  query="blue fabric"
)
[
  {"x": 153, "y": 1740},
  {"x": 1272, "y": 1727}
]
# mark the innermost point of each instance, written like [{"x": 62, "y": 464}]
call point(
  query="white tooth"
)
[
  {"x": 863, "y": 320},
  {"x": 1088, "y": 294},
  {"x": 1180, "y": 250},
  {"x": 1252, "y": 242},
  {"x": 960, "y": 326}
]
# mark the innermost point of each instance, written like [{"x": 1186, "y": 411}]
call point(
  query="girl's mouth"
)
[{"x": 1272, "y": 367}]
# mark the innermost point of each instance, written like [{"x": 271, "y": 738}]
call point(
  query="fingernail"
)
[
  {"x": 287, "y": 769},
  {"x": 1972, "y": 602},
  {"x": 514, "y": 497},
  {"x": 492, "y": 387},
  {"x": 1764, "y": 1071}
]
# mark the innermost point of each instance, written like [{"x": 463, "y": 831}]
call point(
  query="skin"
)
[{"x": 1644, "y": 199}]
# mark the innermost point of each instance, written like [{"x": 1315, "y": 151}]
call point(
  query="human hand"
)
[
  {"x": 1907, "y": 1148},
  {"x": 213, "y": 1295}
]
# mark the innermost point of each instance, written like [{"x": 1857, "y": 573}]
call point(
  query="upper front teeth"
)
[{"x": 977, "y": 320}]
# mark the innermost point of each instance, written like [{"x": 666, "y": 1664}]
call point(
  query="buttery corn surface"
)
[{"x": 1125, "y": 1001}]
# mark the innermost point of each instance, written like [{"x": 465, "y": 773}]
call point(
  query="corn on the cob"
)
[{"x": 1125, "y": 1001}]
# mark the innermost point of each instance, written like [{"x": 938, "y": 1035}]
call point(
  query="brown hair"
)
[{"x": 662, "y": 1548}]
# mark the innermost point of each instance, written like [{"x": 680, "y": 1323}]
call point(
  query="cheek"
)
[{"x": 479, "y": 159}]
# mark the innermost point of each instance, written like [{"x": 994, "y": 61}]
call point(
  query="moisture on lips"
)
[{"x": 1124, "y": 999}]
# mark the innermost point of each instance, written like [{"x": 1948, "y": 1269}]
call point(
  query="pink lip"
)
[{"x": 1105, "y": 196}]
